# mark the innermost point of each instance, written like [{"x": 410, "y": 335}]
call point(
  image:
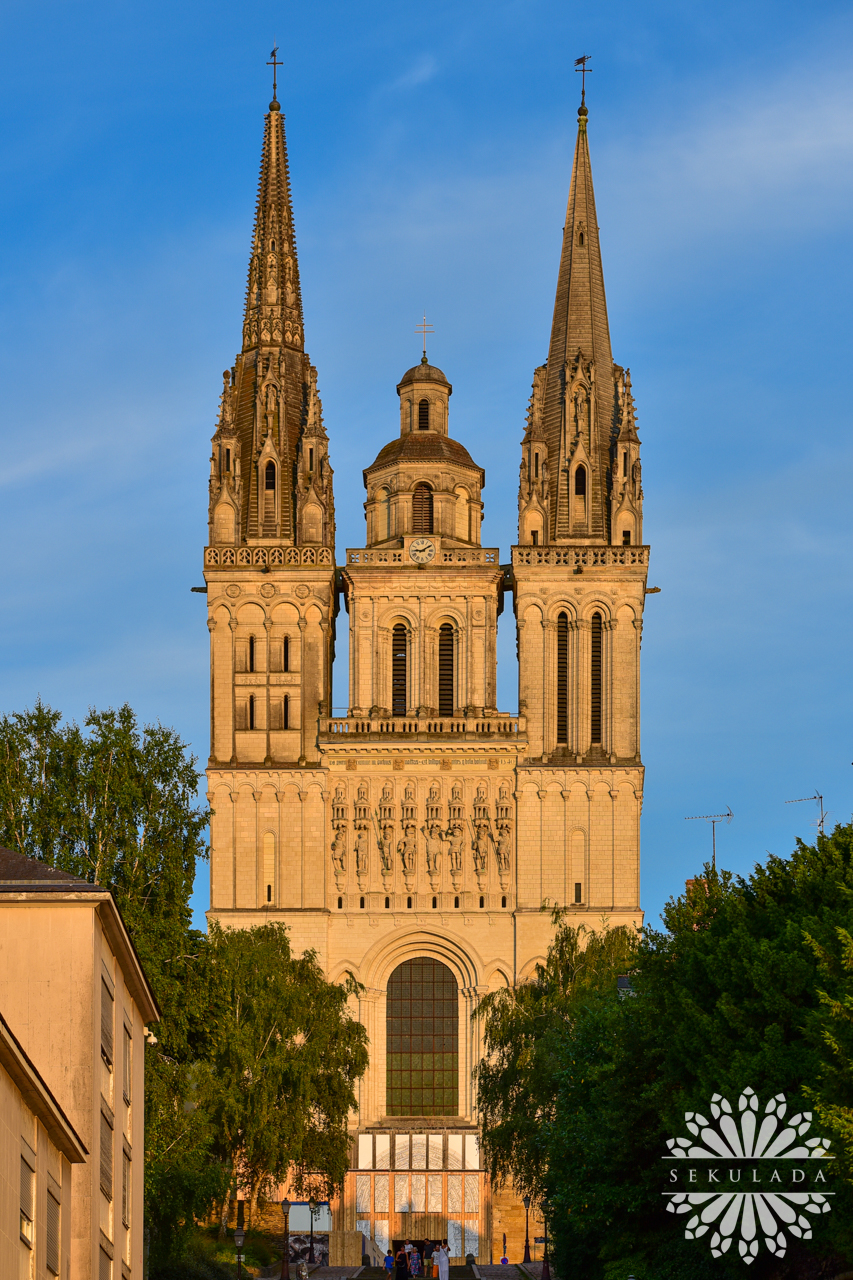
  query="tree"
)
[
  {"x": 285, "y": 1056},
  {"x": 116, "y": 804},
  {"x": 523, "y": 1034}
]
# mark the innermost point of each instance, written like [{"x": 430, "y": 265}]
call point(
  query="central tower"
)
[{"x": 414, "y": 841}]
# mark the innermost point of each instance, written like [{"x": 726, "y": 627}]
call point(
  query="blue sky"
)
[{"x": 430, "y": 156}]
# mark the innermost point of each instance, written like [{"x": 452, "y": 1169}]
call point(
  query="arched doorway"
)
[{"x": 422, "y": 1040}]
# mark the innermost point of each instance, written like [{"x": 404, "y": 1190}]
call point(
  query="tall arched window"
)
[
  {"x": 251, "y": 653},
  {"x": 580, "y": 482},
  {"x": 286, "y": 654},
  {"x": 423, "y": 415},
  {"x": 422, "y": 509},
  {"x": 269, "y": 500},
  {"x": 399, "y": 673},
  {"x": 595, "y": 669},
  {"x": 285, "y": 712},
  {"x": 252, "y": 711},
  {"x": 562, "y": 680},
  {"x": 422, "y": 1040},
  {"x": 446, "y": 671}
]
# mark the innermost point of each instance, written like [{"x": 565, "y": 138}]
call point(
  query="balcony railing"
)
[
  {"x": 470, "y": 728},
  {"x": 582, "y": 557},
  {"x": 450, "y": 555}
]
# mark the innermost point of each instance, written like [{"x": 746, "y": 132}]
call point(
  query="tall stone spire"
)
[
  {"x": 578, "y": 405},
  {"x": 273, "y": 398}
]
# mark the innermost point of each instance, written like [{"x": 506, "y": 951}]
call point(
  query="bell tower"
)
[{"x": 579, "y": 573}]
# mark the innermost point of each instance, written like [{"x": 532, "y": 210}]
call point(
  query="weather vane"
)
[
  {"x": 580, "y": 65},
  {"x": 424, "y": 329},
  {"x": 275, "y": 64}
]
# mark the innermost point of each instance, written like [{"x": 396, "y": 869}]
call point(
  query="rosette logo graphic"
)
[{"x": 749, "y": 1178}]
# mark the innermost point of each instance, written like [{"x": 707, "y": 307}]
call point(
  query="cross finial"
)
[
  {"x": 275, "y": 64},
  {"x": 580, "y": 65},
  {"x": 424, "y": 329}
]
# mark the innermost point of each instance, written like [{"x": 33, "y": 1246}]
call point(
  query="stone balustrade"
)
[
  {"x": 467, "y": 728},
  {"x": 449, "y": 555},
  {"x": 581, "y": 557},
  {"x": 272, "y": 557}
]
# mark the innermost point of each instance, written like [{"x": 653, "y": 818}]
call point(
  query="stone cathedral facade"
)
[{"x": 414, "y": 841}]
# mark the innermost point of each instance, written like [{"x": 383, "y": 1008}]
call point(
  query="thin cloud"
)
[{"x": 422, "y": 71}]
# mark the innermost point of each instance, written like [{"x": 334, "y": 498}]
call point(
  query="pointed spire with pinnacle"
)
[
  {"x": 273, "y": 384},
  {"x": 578, "y": 402}
]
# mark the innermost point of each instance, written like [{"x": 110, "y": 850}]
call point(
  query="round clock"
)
[{"x": 422, "y": 550}]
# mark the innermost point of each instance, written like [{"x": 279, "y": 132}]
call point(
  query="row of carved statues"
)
[{"x": 484, "y": 837}]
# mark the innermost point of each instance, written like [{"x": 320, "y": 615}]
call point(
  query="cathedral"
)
[{"x": 418, "y": 841}]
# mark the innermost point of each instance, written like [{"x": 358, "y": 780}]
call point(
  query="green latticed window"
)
[{"x": 422, "y": 1040}]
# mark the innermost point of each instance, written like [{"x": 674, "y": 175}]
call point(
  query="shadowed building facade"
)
[{"x": 414, "y": 841}]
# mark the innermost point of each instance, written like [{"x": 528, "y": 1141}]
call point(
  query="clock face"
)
[{"x": 422, "y": 550}]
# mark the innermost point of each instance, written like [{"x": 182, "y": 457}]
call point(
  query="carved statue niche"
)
[
  {"x": 433, "y": 832},
  {"x": 385, "y": 842},
  {"x": 455, "y": 839},
  {"x": 480, "y": 845},
  {"x": 359, "y": 848},
  {"x": 503, "y": 849},
  {"x": 340, "y": 827},
  {"x": 339, "y": 849}
]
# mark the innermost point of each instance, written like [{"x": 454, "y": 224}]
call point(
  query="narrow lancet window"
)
[
  {"x": 562, "y": 680},
  {"x": 251, "y": 712},
  {"x": 445, "y": 670},
  {"x": 286, "y": 662},
  {"x": 423, "y": 415},
  {"x": 269, "y": 477},
  {"x": 399, "y": 663},
  {"x": 251, "y": 653},
  {"x": 580, "y": 482},
  {"x": 285, "y": 712},
  {"x": 422, "y": 509},
  {"x": 595, "y": 671}
]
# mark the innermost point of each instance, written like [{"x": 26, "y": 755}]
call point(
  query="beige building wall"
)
[
  {"x": 73, "y": 992},
  {"x": 38, "y": 1147}
]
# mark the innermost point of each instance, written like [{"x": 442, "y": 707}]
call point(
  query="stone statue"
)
[
  {"x": 434, "y": 837},
  {"x": 339, "y": 849},
  {"x": 406, "y": 850},
  {"x": 454, "y": 846},
  {"x": 480, "y": 845},
  {"x": 503, "y": 848},
  {"x": 385, "y": 843},
  {"x": 360, "y": 850}
]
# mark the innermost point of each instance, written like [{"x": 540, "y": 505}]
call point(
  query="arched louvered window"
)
[
  {"x": 580, "y": 482},
  {"x": 562, "y": 680},
  {"x": 423, "y": 415},
  {"x": 399, "y": 673},
  {"x": 422, "y": 509},
  {"x": 268, "y": 518},
  {"x": 269, "y": 476},
  {"x": 446, "y": 671},
  {"x": 595, "y": 670}
]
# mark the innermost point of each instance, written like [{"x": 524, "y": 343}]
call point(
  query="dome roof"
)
[
  {"x": 425, "y": 446},
  {"x": 424, "y": 372}
]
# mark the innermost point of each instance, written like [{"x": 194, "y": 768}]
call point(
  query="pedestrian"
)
[
  {"x": 414, "y": 1262},
  {"x": 444, "y": 1262},
  {"x": 428, "y": 1259},
  {"x": 388, "y": 1262},
  {"x": 401, "y": 1265}
]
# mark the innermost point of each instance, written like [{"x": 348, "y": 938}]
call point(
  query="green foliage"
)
[
  {"x": 523, "y": 1033},
  {"x": 285, "y": 1056},
  {"x": 749, "y": 984}
]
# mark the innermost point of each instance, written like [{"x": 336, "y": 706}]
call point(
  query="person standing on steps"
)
[
  {"x": 401, "y": 1265},
  {"x": 388, "y": 1262},
  {"x": 444, "y": 1261}
]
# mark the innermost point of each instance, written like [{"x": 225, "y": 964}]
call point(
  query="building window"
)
[
  {"x": 408, "y": 904},
  {"x": 536, "y": 466},
  {"x": 269, "y": 476},
  {"x": 562, "y": 680},
  {"x": 310, "y": 459},
  {"x": 423, "y": 415},
  {"x": 285, "y": 712},
  {"x": 434, "y": 903},
  {"x": 106, "y": 1169},
  {"x": 106, "y": 1024},
  {"x": 269, "y": 865},
  {"x": 28, "y": 1212},
  {"x": 503, "y": 901},
  {"x": 456, "y": 902},
  {"x": 127, "y": 1063},
  {"x": 52, "y": 1234},
  {"x": 482, "y": 901},
  {"x": 578, "y": 891},
  {"x": 423, "y": 1040},
  {"x": 125, "y": 1189},
  {"x": 422, "y": 509},
  {"x": 624, "y": 462},
  {"x": 227, "y": 459},
  {"x": 105, "y": 1266},
  {"x": 251, "y": 653},
  {"x": 387, "y": 904},
  {"x": 340, "y": 904},
  {"x": 286, "y": 655},
  {"x": 361, "y": 904},
  {"x": 399, "y": 656},
  {"x": 445, "y": 670},
  {"x": 252, "y": 711},
  {"x": 595, "y": 671},
  {"x": 580, "y": 482},
  {"x": 535, "y": 536},
  {"x": 626, "y": 537}
]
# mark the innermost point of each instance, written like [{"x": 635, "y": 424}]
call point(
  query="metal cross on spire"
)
[
  {"x": 275, "y": 64},
  {"x": 580, "y": 65},
  {"x": 424, "y": 329}
]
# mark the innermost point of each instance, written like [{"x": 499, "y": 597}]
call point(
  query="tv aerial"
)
[
  {"x": 823, "y": 812},
  {"x": 713, "y": 818}
]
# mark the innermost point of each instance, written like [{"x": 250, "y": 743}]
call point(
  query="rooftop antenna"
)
[
  {"x": 275, "y": 64},
  {"x": 713, "y": 818},
  {"x": 424, "y": 329},
  {"x": 580, "y": 65},
  {"x": 823, "y": 813}
]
